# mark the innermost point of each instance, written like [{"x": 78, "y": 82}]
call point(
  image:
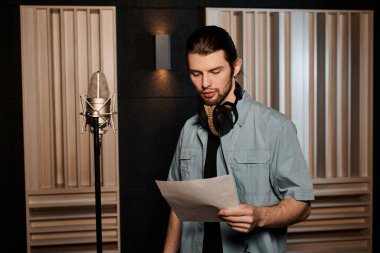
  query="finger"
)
[
  {"x": 240, "y": 227},
  {"x": 240, "y": 211},
  {"x": 241, "y": 230},
  {"x": 238, "y": 219}
]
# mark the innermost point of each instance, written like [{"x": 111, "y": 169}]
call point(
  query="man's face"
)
[{"x": 211, "y": 76}]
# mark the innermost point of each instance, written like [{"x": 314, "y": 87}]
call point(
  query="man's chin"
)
[{"x": 209, "y": 102}]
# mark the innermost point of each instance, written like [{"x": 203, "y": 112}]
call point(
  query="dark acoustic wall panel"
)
[
  {"x": 153, "y": 106},
  {"x": 12, "y": 191}
]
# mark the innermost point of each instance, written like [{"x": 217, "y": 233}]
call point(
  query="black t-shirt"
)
[{"x": 212, "y": 241}]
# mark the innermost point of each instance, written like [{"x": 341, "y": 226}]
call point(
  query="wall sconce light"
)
[{"x": 162, "y": 42}]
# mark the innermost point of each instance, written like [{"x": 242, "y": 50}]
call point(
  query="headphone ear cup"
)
[{"x": 223, "y": 119}]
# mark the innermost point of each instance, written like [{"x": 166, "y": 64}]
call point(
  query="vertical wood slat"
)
[
  {"x": 298, "y": 53},
  {"x": 82, "y": 77},
  {"x": 69, "y": 96},
  {"x": 342, "y": 101},
  {"x": 108, "y": 66},
  {"x": 312, "y": 94},
  {"x": 261, "y": 57},
  {"x": 355, "y": 91},
  {"x": 95, "y": 41},
  {"x": 331, "y": 96},
  {"x": 321, "y": 94},
  {"x": 304, "y": 83},
  {"x": 29, "y": 76},
  {"x": 287, "y": 68},
  {"x": 57, "y": 101},
  {"x": 44, "y": 99},
  {"x": 331, "y": 85},
  {"x": 366, "y": 75},
  {"x": 274, "y": 63},
  {"x": 249, "y": 45},
  {"x": 63, "y": 94},
  {"x": 236, "y": 24},
  {"x": 53, "y": 159}
]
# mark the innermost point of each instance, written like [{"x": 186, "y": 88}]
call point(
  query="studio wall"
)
[{"x": 152, "y": 107}]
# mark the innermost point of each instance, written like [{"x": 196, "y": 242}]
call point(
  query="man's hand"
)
[{"x": 243, "y": 218}]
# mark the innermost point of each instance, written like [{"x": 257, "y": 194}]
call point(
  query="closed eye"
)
[
  {"x": 215, "y": 72},
  {"x": 195, "y": 73}
]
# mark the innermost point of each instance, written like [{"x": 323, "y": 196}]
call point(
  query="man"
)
[{"x": 234, "y": 135}]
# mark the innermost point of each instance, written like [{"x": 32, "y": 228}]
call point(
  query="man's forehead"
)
[{"x": 210, "y": 61}]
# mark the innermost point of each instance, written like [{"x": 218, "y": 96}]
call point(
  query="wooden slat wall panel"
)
[
  {"x": 61, "y": 48},
  {"x": 316, "y": 67}
]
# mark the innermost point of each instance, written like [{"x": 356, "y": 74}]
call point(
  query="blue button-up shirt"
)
[{"x": 263, "y": 154}]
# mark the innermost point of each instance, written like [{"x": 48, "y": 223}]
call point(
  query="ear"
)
[{"x": 237, "y": 66}]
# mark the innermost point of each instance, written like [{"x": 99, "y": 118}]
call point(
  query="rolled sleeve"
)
[{"x": 290, "y": 171}]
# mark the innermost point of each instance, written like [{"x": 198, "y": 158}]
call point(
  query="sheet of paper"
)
[{"x": 200, "y": 199}]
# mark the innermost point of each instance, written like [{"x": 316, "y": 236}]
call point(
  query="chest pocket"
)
[
  {"x": 188, "y": 163},
  {"x": 251, "y": 171}
]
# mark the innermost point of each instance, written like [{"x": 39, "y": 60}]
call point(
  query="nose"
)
[{"x": 205, "y": 81}]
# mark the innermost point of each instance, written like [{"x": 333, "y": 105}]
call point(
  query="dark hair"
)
[{"x": 209, "y": 39}]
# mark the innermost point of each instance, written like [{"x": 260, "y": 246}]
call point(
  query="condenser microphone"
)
[
  {"x": 97, "y": 112},
  {"x": 98, "y": 104}
]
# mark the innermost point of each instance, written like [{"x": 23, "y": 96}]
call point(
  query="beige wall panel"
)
[
  {"x": 324, "y": 84},
  {"x": 60, "y": 48}
]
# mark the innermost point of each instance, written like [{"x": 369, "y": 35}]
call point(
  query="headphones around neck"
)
[{"x": 220, "y": 119}]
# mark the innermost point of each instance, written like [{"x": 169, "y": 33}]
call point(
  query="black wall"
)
[{"x": 151, "y": 108}]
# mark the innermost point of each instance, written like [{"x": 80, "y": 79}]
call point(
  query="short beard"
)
[{"x": 221, "y": 97}]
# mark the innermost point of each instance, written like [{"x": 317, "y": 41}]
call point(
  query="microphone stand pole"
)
[{"x": 98, "y": 196}]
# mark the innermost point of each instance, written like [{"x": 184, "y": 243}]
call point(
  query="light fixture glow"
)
[{"x": 162, "y": 42}]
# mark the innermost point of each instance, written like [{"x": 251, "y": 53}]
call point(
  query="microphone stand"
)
[
  {"x": 98, "y": 196},
  {"x": 96, "y": 110},
  {"x": 92, "y": 114},
  {"x": 93, "y": 119}
]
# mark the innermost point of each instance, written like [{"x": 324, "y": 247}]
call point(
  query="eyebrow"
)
[{"x": 210, "y": 70}]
